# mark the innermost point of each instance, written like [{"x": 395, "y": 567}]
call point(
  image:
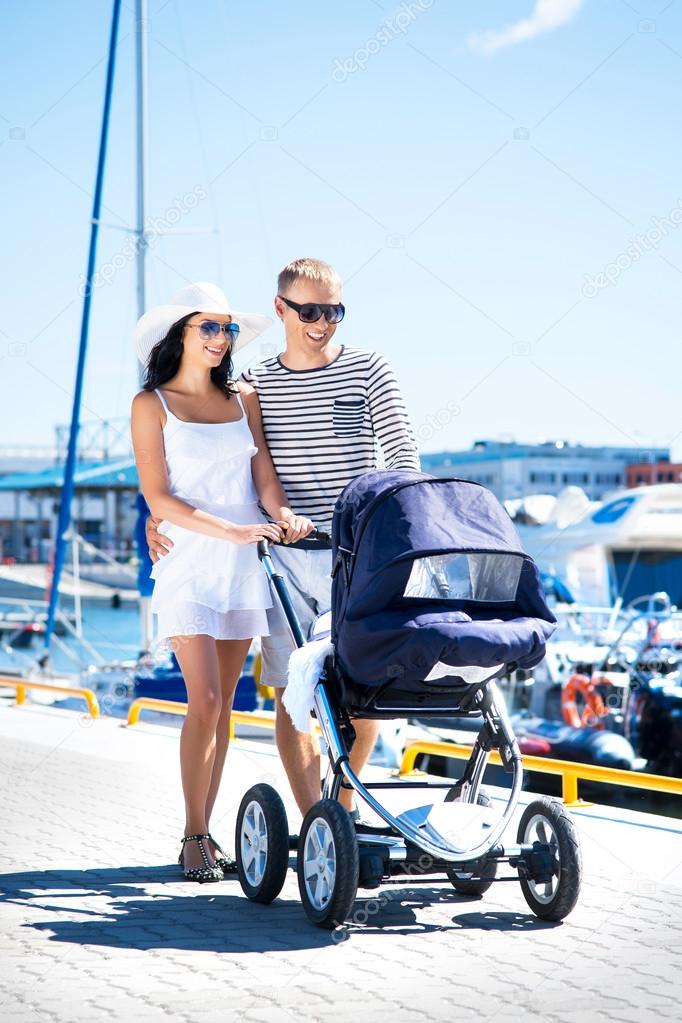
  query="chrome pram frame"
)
[
  {"x": 409, "y": 843},
  {"x": 495, "y": 733}
]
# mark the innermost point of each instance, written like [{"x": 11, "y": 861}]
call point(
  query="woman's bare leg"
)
[
  {"x": 198, "y": 659},
  {"x": 231, "y": 656}
]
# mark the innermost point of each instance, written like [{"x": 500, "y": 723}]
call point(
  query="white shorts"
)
[{"x": 307, "y": 575}]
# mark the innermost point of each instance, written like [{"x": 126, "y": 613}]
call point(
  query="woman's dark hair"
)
[{"x": 164, "y": 362}]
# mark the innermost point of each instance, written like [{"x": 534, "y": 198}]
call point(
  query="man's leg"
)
[
  {"x": 366, "y": 732},
  {"x": 319, "y": 588},
  {"x": 299, "y": 752},
  {"x": 308, "y": 578},
  {"x": 300, "y": 755}
]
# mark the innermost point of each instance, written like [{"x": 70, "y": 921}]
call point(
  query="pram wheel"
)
[
  {"x": 262, "y": 844},
  {"x": 547, "y": 822},
  {"x": 478, "y": 886},
  {"x": 328, "y": 864},
  {"x": 464, "y": 885}
]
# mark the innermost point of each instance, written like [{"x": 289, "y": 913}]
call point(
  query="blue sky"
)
[{"x": 470, "y": 187}]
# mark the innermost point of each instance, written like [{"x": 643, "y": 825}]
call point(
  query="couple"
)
[{"x": 211, "y": 453}]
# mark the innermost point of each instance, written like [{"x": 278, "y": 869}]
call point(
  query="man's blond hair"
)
[{"x": 315, "y": 270}]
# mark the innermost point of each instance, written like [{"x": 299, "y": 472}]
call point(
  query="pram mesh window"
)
[{"x": 476, "y": 576}]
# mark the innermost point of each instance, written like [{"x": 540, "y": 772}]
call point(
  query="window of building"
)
[{"x": 608, "y": 478}]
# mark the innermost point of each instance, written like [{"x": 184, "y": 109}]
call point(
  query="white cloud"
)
[{"x": 546, "y": 16}]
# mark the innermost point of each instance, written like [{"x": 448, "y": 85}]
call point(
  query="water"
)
[{"x": 113, "y": 632}]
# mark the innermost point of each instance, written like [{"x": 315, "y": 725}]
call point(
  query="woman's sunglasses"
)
[
  {"x": 310, "y": 312},
  {"x": 209, "y": 330}
]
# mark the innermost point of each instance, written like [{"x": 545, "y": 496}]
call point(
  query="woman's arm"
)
[
  {"x": 147, "y": 433},
  {"x": 268, "y": 487}
]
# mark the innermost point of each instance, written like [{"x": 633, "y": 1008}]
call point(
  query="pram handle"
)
[
  {"x": 279, "y": 584},
  {"x": 324, "y": 539}
]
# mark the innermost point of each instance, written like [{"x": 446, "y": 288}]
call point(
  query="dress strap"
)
[
  {"x": 163, "y": 401},
  {"x": 241, "y": 404}
]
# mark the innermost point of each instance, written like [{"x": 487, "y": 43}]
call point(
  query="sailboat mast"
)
[
  {"x": 64, "y": 518},
  {"x": 141, "y": 50}
]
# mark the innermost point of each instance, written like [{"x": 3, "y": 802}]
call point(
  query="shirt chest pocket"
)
[{"x": 348, "y": 415}]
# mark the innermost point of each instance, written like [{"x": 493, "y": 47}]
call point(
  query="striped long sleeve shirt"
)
[{"x": 322, "y": 426}]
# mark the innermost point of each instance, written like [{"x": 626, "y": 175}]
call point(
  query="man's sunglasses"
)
[
  {"x": 209, "y": 330},
  {"x": 310, "y": 312}
]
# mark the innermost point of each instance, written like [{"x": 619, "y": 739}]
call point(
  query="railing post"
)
[
  {"x": 569, "y": 784},
  {"x": 91, "y": 700},
  {"x": 45, "y": 687}
]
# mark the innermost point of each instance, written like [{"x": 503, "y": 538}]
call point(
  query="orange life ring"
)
[{"x": 594, "y": 705}]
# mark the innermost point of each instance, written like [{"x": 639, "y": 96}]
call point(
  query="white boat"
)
[{"x": 610, "y": 551}]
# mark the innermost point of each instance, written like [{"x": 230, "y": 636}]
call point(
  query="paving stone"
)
[{"x": 96, "y": 924}]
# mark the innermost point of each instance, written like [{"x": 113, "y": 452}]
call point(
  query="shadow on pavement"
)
[
  {"x": 494, "y": 921},
  {"x": 131, "y": 907},
  {"x": 395, "y": 911},
  {"x": 137, "y": 911}
]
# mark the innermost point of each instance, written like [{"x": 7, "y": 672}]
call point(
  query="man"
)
[{"x": 324, "y": 407}]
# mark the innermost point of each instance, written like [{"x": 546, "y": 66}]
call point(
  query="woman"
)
[{"x": 203, "y": 464}]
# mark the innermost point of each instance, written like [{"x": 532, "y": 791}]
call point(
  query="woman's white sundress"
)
[{"x": 204, "y": 585}]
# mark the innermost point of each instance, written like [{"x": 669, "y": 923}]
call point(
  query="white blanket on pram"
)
[{"x": 305, "y": 668}]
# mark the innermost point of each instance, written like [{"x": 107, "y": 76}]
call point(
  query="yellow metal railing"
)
[
  {"x": 267, "y": 692},
  {"x": 256, "y": 718},
  {"x": 569, "y": 771},
  {"x": 149, "y": 703},
  {"x": 21, "y": 685}
]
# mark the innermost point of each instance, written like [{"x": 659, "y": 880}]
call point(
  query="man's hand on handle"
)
[{"x": 295, "y": 528}]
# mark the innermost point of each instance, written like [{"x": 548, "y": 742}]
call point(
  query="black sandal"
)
[
  {"x": 200, "y": 874},
  {"x": 227, "y": 864}
]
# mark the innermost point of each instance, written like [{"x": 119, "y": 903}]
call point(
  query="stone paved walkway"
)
[{"x": 96, "y": 922}]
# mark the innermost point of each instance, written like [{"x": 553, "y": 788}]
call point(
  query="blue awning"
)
[{"x": 104, "y": 475}]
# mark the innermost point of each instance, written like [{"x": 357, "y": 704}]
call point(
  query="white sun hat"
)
[{"x": 200, "y": 297}]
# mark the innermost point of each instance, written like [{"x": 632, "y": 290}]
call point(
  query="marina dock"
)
[{"x": 98, "y": 923}]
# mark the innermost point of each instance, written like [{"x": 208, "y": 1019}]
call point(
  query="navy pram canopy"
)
[{"x": 430, "y": 577}]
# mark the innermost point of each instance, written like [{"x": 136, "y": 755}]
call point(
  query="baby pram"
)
[{"x": 432, "y": 599}]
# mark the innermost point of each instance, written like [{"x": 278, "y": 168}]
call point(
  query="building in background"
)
[
  {"x": 106, "y": 482},
  {"x": 514, "y": 470},
  {"x": 105, "y": 490},
  {"x": 641, "y": 474},
  {"x": 23, "y": 519},
  {"x": 103, "y": 510}
]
